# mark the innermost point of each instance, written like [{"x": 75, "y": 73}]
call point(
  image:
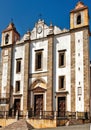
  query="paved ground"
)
[{"x": 74, "y": 127}]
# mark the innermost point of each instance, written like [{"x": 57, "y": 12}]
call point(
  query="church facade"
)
[{"x": 48, "y": 69}]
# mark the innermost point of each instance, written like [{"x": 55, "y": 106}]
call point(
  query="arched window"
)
[
  {"x": 6, "y": 39},
  {"x": 79, "y": 19}
]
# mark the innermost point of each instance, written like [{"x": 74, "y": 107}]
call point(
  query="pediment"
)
[
  {"x": 38, "y": 82},
  {"x": 38, "y": 90},
  {"x": 40, "y": 30}
]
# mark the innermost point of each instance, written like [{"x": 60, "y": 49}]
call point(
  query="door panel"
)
[
  {"x": 38, "y": 104},
  {"x": 61, "y": 106},
  {"x": 16, "y": 106}
]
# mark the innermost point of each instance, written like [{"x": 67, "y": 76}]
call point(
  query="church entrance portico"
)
[
  {"x": 38, "y": 100},
  {"x": 38, "y": 97}
]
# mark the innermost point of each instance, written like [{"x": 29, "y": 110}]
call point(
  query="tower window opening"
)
[
  {"x": 6, "y": 39},
  {"x": 79, "y": 19}
]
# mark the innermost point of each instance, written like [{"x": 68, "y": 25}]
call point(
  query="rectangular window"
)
[
  {"x": 18, "y": 65},
  {"x": 61, "y": 82},
  {"x": 38, "y": 60},
  {"x": 79, "y": 91},
  {"x": 17, "y": 86},
  {"x": 61, "y": 58}
]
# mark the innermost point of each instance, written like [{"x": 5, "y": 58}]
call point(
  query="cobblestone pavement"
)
[{"x": 74, "y": 127}]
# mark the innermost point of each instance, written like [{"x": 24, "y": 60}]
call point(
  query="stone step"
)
[
  {"x": 73, "y": 127},
  {"x": 18, "y": 125}
]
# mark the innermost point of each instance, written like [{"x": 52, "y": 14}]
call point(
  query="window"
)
[
  {"x": 61, "y": 82},
  {"x": 38, "y": 62},
  {"x": 6, "y": 39},
  {"x": 18, "y": 65},
  {"x": 79, "y": 91},
  {"x": 79, "y": 19},
  {"x": 61, "y": 58},
  {"x": 79, "y": 98},
  {"x": 17, "y": 86}
]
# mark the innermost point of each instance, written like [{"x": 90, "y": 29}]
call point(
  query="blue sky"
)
[{"x": 25, "y": 13}]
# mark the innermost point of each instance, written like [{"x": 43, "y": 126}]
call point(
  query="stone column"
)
[
  {"x": 0, "y": 79},
  {"x": 73, "y": 72},
  {"x": 7, "y": 59},
  {"x": 9, "y": 78},
  {"x": 86, "y": 61},
  {"x": 49, "y": 97},
  {"x": 26, "y": 78}
]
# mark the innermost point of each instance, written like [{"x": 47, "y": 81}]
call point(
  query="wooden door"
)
[
  {"x": 38, "y": 104},
  {"x": 61, "y": 106},
  {"x": 16, "y": 106}
]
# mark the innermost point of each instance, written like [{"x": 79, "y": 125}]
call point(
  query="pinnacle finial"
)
[{"x": 50, "y": 23}]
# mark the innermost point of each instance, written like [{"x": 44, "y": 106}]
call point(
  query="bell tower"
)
[
  {"x": 9, "y": 37},
  {"x": 79, "y": 31},
  {"x": 79, "y": 16}
]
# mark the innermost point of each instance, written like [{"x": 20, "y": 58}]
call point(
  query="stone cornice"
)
[{"x": 79, "y": 29}]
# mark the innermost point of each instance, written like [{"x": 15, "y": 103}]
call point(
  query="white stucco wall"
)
[
  {"x": 18, "y": 53},
  {"x": 4, "y": 79},
  {"x": 35, "y": 34},
  {"x": 38, "y": 45},
  {"x": 41, "y": 44},
  {"x": 79, "y": 70},
  {"x": 63, "y": 43}
]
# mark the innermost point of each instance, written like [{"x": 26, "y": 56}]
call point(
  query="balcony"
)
[{"x": 4, "y": 98}]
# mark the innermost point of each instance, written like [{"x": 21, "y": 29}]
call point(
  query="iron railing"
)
[
  {"x": 45, "y": 114},
  {"x": 42, "y": 114},
  {"x": 59, "y": 115}
]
